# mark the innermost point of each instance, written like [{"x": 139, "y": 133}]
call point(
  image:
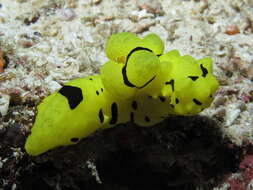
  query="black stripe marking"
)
[
  {"x": 134, "y": 105},
  {"x": 97, "y": 92},
  {"x": 147, "y": 119},
  {"x": 162, "y": 99},
  {"x": 129, "y": 84},
  {"x": 204, "y": 70},
  {"x": 146, "y": 83},
  {"x": 136, "y": 49},
  {"x": 73, "y": 94},
  {"x": 102, "y": 90},
  {"x": 177, "y": 100},
  {"x": 193, "y": 77},
  {"x": 172, "y": 83},
  {"x": 74, "y": 140},
  {"x": 101, "y": 116},
  {"x": 197, "y": 102},
  {"x": 132, "y": 117},
  {"x": 172, "y": 105},
  {"x": 114, "y": 112},
  {"x": 124, "y": 74},
  {"x": 126, "y": 81}
]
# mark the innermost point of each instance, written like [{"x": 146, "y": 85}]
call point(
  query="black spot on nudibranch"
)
[
  {"x": 73, "y": 94},
  {"x": 172, "y": 105},
  {"x": 162, "y": 99},
  {"x": 132, "y": 117},
  {"x": 102, "y": 90},
  {"x": 97, "y": 92},
  {"x": 172, "y": 83},
  {"x": 193, "y": 77},
  {"x": 74, "y": 140},
  {"x": 101, "y": 116},
  {"x": 204, "y": 70},
  {"x": 114, "y": 112},
  {"x": 177, "y": 100},
  {"x": 197, "y": 102},
  {"x": 134, "y": 105},
  {"x": 90, "y": 79},
  {"x": 147, "y": 119}
]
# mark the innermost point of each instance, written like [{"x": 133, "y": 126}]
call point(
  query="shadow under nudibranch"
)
[{"x": 181, "y": 152}]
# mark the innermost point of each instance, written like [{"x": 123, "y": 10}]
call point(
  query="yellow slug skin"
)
[{"x": 139, "y": 83}]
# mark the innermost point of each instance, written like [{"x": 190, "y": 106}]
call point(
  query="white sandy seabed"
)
[{"x": 48, "y": 42}]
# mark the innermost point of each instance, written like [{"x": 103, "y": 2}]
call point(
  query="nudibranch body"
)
[{"x": 139, "y": 84}]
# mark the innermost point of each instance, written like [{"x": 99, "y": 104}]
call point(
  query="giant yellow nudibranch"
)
[{"x": 139, "y": 83}]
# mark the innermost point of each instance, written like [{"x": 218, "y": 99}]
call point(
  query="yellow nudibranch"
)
[{"x": 139, "y": 83}]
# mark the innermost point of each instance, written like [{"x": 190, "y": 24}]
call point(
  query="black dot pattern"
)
[
  {"x": 132, "y": 117},
  {"x": 193, "y": 78},
  {"x": 101, "y": 116},
  {"x": 150, "y": 97},
  {"x": 134, "y": 105},
  {"x": 172, "y": 83},
  {"x": 162, "y": 99},
  {"x": 114, "y": 112},
  {"x": 197, "y": 102},
  {"x": 204, "y": 70},
  {"x": 74, "y": 140},
  {"x": 73, "y": 94},
  {"x": 147, "y": 119}
]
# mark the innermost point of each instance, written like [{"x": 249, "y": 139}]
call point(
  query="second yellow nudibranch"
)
[{"x": 140, "y": 83}]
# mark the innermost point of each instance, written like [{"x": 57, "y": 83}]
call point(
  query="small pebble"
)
[
  {"x": 2, "y": 62},
  {"x": 26, "y": 43},
  {"x": 53, "y": 85},
  {"x": 219, "y": 101},
  {"x": 246, "y": 97},
  {"x": 232, "y": 116},
  {"x": 242, "y": 106},
  {"x": 96, "y": 2},
  {"x": 153, "y": 7},
  {"x": 36, "y": 33},
  {"x": 16, "y": 99},
  {"x": 4, "y": 104},
  {"x": 68, "y": 14},
  {"x": 232, "y": 30},
  {"x": 220, "y": 114}
]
